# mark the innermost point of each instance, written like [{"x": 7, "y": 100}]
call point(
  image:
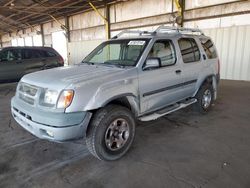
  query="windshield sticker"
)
[{"x": 136, "y": 42}]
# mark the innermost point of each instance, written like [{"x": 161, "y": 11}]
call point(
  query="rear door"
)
[
  {"x": 52, "y": 58},
  {"x": 160, "y": 87},
  {"x": 33, "y": 60},
  {"x": 11, "y": 64},
  {"x": 191, "y": 64}
]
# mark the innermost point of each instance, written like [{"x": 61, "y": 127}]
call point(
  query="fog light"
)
[{"x": 50, "y": 133}]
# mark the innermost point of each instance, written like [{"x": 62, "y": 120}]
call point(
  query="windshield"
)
[{"x": 118, "y": 52}]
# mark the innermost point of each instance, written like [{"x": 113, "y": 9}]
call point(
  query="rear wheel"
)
[
  {"x": 111, "y": 132},
  {"x": 205, "y": 98}
]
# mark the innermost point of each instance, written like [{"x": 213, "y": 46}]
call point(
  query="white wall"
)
[
  {"x": 78, "y": 50},
  {"x": 233, "y": 44}
]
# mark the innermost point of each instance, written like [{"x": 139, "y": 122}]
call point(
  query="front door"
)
[
  {"x": 10, "y": 64},
  {"x": 161, "y": 86},
  {"x": 34, "y": 60}
]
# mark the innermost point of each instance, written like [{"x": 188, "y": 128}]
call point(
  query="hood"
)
[{"x": 60, "y": 78}]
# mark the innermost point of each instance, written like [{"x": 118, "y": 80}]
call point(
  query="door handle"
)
[{"x": 178, "y": 71}]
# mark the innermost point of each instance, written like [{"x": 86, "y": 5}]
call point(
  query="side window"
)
[
  {"x": 13, "y": 54},
  {"x": 42, "y": 53},
  {"x": 31, "y": 54},
  {"x": 4, "y": 55},
  {"x": 27, "y": 54},
  {"x": 189, "y": 50},
  {"x": 164, "y": 50},
  {"x": 50, "y": 54},
  {"x": 36, "y": 54},
  {"x": 209, "y": 48}
]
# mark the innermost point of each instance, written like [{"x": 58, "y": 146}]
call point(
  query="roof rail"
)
[
  {"x": 183, "y": 30},
  {"x": 137, "y": 32}
]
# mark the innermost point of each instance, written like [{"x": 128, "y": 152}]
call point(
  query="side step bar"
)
[{"x": 168, "y": 110}]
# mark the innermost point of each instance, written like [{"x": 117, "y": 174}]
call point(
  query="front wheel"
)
[
  {"x": 205, "y": 98},
  {"x": 111, "y": 132}
]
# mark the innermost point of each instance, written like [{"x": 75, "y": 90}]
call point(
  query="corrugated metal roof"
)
[{"x": 18, "y": 14}]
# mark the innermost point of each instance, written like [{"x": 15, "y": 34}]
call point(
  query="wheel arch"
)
[
  {"x": 127, "y": 100},
  {"x": 211, "y": 79}
]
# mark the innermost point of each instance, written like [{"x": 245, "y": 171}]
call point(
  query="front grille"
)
[{"x": 27, "y": 93}]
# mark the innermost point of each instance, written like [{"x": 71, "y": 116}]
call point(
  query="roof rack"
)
[
  {"x": 137, "y": 32},
  {"x": 182, "y": 30},
  {"x": 162, "y": 29}
]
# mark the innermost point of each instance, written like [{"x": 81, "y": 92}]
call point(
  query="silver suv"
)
[{"x": 134, "y": 76}]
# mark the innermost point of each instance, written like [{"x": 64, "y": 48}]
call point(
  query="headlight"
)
[
  {"x": 50, "y": 97},
  {"x": 65, "y": 98}
]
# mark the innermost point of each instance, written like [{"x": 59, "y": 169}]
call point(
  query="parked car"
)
[
  {"x": 15, "y": 62},
  {"x": 125, "y": 79}
]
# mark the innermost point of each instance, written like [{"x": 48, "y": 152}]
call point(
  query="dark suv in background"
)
[{"x": 18, "y": 61}]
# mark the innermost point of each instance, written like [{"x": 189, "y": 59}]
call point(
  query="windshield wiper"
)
[
  {"x": 88, "y": 63},
  {"x": 115, "y": 64}
]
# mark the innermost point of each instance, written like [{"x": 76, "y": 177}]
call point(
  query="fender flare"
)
[
  {"x": 131, "y": 99},
  {"x": 210, "y": 78}
]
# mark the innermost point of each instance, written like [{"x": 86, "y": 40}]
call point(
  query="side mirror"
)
[{"x": 152, "y": 63}]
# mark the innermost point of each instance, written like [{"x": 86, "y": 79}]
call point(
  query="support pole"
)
[
  {"x": 182, "y": 11},
  {"x": 57, "y": 21},
  {"x": 42, "y": 34},
  {"x": 1, "y": 43},
  {"x": 68, "y": 30},
  {"x": 106, "y": 20},
  {"x": 180, "y": 4},
  {"x": 107, "y": 8}
]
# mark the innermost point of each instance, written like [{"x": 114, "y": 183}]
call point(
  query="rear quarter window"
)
[
  {"x": 209, "y": 48},
  {"x": 50, "y": 54},
  {"x": 189, "y": 50}
]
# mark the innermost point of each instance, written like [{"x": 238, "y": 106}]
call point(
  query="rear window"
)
[
  {"x": 50, "y": 54},
  {"x": 209, "y": 48},
  {"x": 189, "y": 50}
]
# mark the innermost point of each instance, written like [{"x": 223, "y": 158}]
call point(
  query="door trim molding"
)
[{"x": 168, "y": 88}]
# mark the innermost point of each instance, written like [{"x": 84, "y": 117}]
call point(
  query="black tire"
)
[
  {"x": 200, "y": 106},
  {"x": 99, "y": 128}
]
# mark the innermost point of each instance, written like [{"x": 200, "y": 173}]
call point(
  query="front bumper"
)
[{"x": 52, "y": 126}]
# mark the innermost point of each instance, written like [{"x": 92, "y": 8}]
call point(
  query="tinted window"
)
[
  {"x": 37, "y": 54},
  {"x": 10, "y": 55},
  {"x": 209, "y": 48},
  {"x": 50, "y": 54},
  {"x": 27, "y": 54},
  {"x": 42, "y": 53},
  {"x": 189, "y": 50},
  {"x": 164, "y": 50},
  {"x": 4, "y": 55},
  {"x": 32, "y": 53},
  {"x": 196, "y": 50}
]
